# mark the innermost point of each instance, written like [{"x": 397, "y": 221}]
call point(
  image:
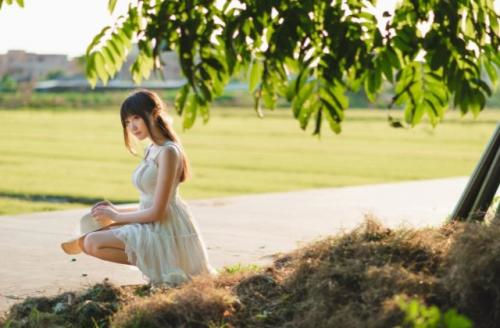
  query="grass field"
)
[{"x": 64, "y": 159}]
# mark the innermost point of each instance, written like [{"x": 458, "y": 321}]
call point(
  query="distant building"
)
[
  {"x": 26, "y": 66},
  {"x": 171, "y": 69}
]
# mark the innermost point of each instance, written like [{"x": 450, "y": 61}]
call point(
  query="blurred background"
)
[{"x": 61, "y": 142}]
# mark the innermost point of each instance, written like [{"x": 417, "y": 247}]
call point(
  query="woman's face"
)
[{"x": 136, "y": 126}]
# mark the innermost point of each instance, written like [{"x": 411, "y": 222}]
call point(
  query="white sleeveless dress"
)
[{"x": 171, "y": 249}]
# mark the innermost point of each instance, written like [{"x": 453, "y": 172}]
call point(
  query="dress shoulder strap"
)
[
  {"x": 179, "y": 148},
  {"x": 155, "y": 155},
  {"x": 147, "y": 151}
]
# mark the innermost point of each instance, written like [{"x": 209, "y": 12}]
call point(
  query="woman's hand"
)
[
  {"x": 105, "y": 203},
  {"x": 105, "y": 214}
]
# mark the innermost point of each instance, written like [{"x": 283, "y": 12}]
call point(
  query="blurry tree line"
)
[{"x": 16, "y": 95}]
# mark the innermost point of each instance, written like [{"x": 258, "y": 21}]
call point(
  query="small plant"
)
[
  {"x": 418, "y": 315},
  {"x": 34, "y": 316},
  {"x": 238, "y": 267},
  {"x": 7, "y": 324}
]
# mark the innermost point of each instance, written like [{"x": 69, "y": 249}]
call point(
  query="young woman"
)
[{"x": 160, "y": 237}]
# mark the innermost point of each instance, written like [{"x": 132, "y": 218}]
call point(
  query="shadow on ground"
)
[{"x": 60, "y": 198}]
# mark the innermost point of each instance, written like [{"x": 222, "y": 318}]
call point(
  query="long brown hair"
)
[{"x": 145, "y": 103}]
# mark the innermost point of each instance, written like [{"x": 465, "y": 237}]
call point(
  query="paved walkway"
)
[{"x": 246, "y": 229}]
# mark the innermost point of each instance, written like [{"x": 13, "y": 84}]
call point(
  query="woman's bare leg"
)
[{"x": 105, "y": 246}]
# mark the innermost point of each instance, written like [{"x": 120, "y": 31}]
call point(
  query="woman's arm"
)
[
  {"x": 118, "y": 208},
  {"x": 168, "y": 162},
  {"x": 127, "y": 209}
]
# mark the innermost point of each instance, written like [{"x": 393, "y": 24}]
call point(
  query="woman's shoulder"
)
[
  {"x": 171, "y": 147},
  {"x": 172, "y": 144}
]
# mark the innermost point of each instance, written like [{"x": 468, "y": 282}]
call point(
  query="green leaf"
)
[
  {"x": 318, "y": 121},
  {"x": 96, "y": 40},
  {"x": 333, "y": 94},
  {"x": 385, "y": 64},
  {"x": 117, "y": 59},
  {"x": 483, "y": 86},
  {"x": 180, "y": 98},
  {"x": 205, "y": 112},
  {"x": 20, "y": 3},
  {"x": 340, "y": 102},
  {"x": 311, "y": 105},
  {"x": 377, "y": 78},
  {"x": 455, "y": 320},
  {"x": 371, "y": 82},
  {"x": 402, "y": 45},
  {"x": 304, "y": 93},
  {"x": 269, "y": 97},
  {"x": 301, "y": 80},
  {"x": 90, "y": 72},
  {"x": 290, "y": 91},
  {"x": 408, "y": 112},
  {"x": 219, "y": 83},
  {"x": 474, "y": 103},
  {"x": 492, "y": 73},
  {"x": 332, "y": 116},
  {"x": 205, "y": 90},
  {"x": 100, "y": 69},
  {"x": 135, "y": 70},
  {"x": 117, "y": 45},
  {"x": 111, "y": 6},
  {"x": 124, "y": 39},
  {"x": 255, "y": 74},
  {"x": 147, "y": 66},
  {"x": 215, "y": 63},
  {"x": 292, "y": 65},
  {"x": 141, "y": 68},
  {"x": 432, "y": 112},
  {"x": 128, "y": 28},
  {"x": 419, "y": 111},
  {"x": 393, "y": 57},
  {"x": 190, "y": 112},
  {"x": 111, "y": 54},
  {"x": 463, "y": 97},
  {"x": 413, "y": 310},
  {"x": 145, "y": 48},
  {"x": 109, "y": 61}
]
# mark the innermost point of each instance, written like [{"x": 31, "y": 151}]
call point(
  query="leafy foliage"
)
[
  {"x": 20, "y": 3},
  {"x": 311, "y": 52},
  {"x": 420, "y": 316},
  {"x": 7, "y": 83}
]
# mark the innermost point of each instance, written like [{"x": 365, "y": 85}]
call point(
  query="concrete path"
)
[{"x": 246, "y": 229}]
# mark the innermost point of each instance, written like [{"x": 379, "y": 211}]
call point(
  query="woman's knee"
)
[
  {"x": 90, "y": 245},
  {"x": 93, "y": 241}
]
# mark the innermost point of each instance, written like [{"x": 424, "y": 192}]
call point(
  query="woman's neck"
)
[{"x": 159, "y": 137}]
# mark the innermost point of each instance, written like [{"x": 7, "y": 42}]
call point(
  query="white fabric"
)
[{"x": 170, "y": 250}]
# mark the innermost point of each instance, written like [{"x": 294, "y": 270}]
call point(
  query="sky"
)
[{"x": 54, "y": 26}]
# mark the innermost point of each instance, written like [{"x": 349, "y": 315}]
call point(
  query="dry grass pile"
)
[
  {"x": 89, "y": 308},
  {"x": 349, "y": 280}
]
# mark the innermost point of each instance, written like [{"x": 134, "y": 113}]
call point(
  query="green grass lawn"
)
[{"x": 64, "y": 159}]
